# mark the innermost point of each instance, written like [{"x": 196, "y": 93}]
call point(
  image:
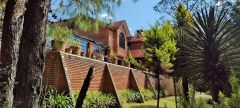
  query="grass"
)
[{"x": 168, "y": 101}]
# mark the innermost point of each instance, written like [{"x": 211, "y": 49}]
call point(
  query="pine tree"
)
[
  {"x": 182, "y": 20},
  {"x": 160, "y": 49}
]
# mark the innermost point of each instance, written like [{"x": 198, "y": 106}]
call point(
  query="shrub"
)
[
  {"x": 148, "y": 94},
  {"x": 163, "y": 93},
  {"x": 98, "y": 100},
  {"x": 193, "y": 102},
  {"x": 234, "y": 100},
  {"x": 130, "y": 96},
  {"x": 52, "y": 99}
]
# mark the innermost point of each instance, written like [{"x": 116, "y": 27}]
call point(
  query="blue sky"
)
[{"x": 139, "y": 15}]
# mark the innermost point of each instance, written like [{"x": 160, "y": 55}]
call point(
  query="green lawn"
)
[{"x": 168, "y": 101}]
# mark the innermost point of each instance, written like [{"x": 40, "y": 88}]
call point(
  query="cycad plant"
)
[{"x": 213, "y": 46}]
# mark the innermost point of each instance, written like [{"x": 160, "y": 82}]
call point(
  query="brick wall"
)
[
  {"x": 136, "y": 45},
  {"x": 76, "y": 68},
  {"x": 67, "y": 72},
  {"x": 54, "y": 72},
  {"x": 120, "y": 76},
  {"x": 140, "y": 78}
]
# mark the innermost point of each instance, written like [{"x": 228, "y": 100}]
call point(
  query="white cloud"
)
[{"x": 105, "y": 16}]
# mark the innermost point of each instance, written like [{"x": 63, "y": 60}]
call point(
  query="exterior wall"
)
[
  {"x": 67, "y": 72},
  {"x": 120, "y": 76},
  {"x": 109, "y": 37},
  {"x": 121, "y": 51},
  {"x": 101, "y": 36},
  {"x": 136, "y": 45},
  {"x": 76, "y": 68},
  {"x": 140, "y": 78},
  {"x": 53, "y": 74}
]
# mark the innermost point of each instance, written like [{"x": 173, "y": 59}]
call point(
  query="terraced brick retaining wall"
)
[{"x": 66, "y": 72}]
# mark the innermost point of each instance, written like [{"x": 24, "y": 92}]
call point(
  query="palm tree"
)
[{"x": 213, "y": 46}]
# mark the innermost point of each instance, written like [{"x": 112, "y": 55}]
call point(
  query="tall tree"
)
[
  {"x": 167, "y": 7},
  {"x": 182, "y": 20},
  {"x": 31, "y": 54},
  {"x": 160, "y": 49},
  {"x": 213, "y": 46},
  {"x": 29, "y": 75},
  {"x": 12, "y": 30}
]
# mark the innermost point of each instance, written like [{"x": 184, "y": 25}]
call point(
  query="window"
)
[{"x": 122, "y": 40}]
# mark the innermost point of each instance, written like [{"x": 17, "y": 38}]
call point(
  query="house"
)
[
  {"x": 116, "y": 37},
  {"x": 137, "y": 46}
]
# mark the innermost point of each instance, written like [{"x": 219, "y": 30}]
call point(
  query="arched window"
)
[{"x": 122, "y": 40}]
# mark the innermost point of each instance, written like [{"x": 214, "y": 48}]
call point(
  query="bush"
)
[
  {"x": 163, "y": 93},
  {"x": 98, "y": 100},
  {"x": 148, "y": 94},
  {"x": 234, "y": 100},
  {"x": 130, "y": 96},
  {"x": 52, "y": 99},
  {"x": 193, "y": 102}
]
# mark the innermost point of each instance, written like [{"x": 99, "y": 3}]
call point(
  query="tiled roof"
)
[
  {"x": 138, "y": 53},
  {"x": 118, "y": 23},
  {"x": 136, "y": 38}
]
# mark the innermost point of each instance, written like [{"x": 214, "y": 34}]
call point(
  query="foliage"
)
[
  {"x": 134, "y": 62},
  {"x": 130, "y": 96},
  {"x": 236, "y": 12},
  {"x": 181, "y": 69},
  {"x": 163, "y": 93},
  {"x": 182, "y": 16},
  {"x": 75, "y": 43},
  {"x": 59, "y": 33},
  {"x": 168, "y": 7},
  {"x": 85, "y": 13},
  {"x": 148, "y": 94},
  {"x": 212, "y": 46},
  {"x": 193, "y": 103},
  {"x": 159, "y": 42},
  {"x": 52, "y": 99},
  {"x": 234, "y": 99},
  {"x": 98, "y": 100}
]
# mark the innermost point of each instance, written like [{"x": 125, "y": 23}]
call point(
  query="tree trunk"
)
[
  {"x": 158, "y": 89},
  {"x": 175, "y": 89},
  {"x": 214, "y": 91},
  {"x": 185, "y": 88},
  {"x": 12, "y": 30},
  {"x": 157, "y": 70},
  {"x": 31, "y": 55},
  {"x": 84, "y": 89}
]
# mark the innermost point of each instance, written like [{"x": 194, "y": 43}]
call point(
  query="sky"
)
[{"x": 139, "y": 15}]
